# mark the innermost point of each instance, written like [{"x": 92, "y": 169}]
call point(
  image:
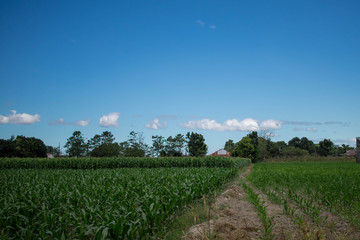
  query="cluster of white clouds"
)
[
  {"x": 110, "y": 120},
  {"x": 61, "y": 121},
  {"x": 155, "y": 124},
  {"x": 19, "y": 118},
  {"x": 247, "y": 124},
  {"x": 305, "y": 129},
  {"x": 201, "y": 23}
]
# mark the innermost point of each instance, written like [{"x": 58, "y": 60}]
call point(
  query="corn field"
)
[
  {"x": 315, "y": 187},
  {"x": 92, "y": 203}
]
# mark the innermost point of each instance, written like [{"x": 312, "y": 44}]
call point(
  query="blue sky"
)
[{"x": 219, "y": 68}]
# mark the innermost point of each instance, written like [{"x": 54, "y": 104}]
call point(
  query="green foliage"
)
[
  {"x": 244, "y": 148},
  {"x": 124, "y": 162},
  {"x": 76, "y": 146},
  {"x": 314, "y": 187},
  {"x": 25, "y": 147},
  {"x": 103, "y": 145},
  {"x": 135, "y": 146},
  {"x": 87, "y": 204},
  {"x": 229, "y": 145},
  {"x": 276, "y": 148},
  {"x": 158, "y": 145},
  {"x": 171, "y": 147},
  {"x": 8, "y": 148},
  {"x": 55, "y": 151},
  {"x": 325, "y": 147},
  {"x": 261, "y": 211},
  {"x": 196, "y": 144},
  {"x": 106, "y": 150},
  {"x": 292, "y": 151},
  {"x": 295, "y": 142}
]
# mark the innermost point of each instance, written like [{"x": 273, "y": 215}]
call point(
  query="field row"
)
[
  {"x": 314, "y": 187},
  {"x": 98, "y": 163},
  {"x": 126, "y": 203}
]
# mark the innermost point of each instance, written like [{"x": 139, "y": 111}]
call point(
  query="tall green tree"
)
[
  {"x": 75, "y": 145},
  {"x": 196, "y": 144},
  {"x": 8, "y": 147},
  {"x": 229, "y": 145},
  {"x": 174, "y": 146},
  {"x": 295, "y": 142},
  {"x": 30, "y": 147},
  {"x": 325, "y": 147},
  {"x": 255, "y": 142},
  {"x": 103, "y": 145},
  {"x": 158, "y": 145},
  {"x": 244, "y": 148},
  {"x": 307, "y": 145},
  {"x": 135, "y": 146}
]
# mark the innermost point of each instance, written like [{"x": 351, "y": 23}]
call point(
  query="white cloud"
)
[
  {"x": 110, "y": 120},
  {"x": 271, "y": 124},
  {"x": 19, "y": 118},
  {"x": 83, "y": 122},
  {"x": 61, "y": 121},
  {"x": 305, "y": 129},
  {"x": 311, "y": 129},
  {"x": 212, "y": 27},
  {"x": 156, "y": 124},
  {"x": 201, "y": 23},
  {"x": 247, "y": 124}
]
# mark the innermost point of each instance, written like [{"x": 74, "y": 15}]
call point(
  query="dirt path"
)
[{"x": 236, "y": 218}]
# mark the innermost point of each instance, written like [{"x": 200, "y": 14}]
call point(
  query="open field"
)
[
  {"x": 122, "y": 203},
  {"x": 290, "y": 200},
  {"x": 94, "y": 199}
]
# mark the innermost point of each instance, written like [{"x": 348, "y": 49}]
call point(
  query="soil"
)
[{"x": 236, "y": 218}]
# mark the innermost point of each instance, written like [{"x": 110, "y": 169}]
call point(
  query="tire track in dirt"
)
[{"x": 235, "y": 218}]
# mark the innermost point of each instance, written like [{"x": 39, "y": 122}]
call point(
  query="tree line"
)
[
  {"x": 258, "y": 148},
  {"x": 104, "y": 145},
  {"x": 251, "y": 146}
]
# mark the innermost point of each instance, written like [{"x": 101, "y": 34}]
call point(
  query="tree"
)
[
  {"x": 103, "y": 145},
  {"x": 307, "y": 144},
  {"x": 196, "y": 144},
  {"x": 276, "y": 148},
  {"x": 291, "y": 151},
  {"x": 135, "y": 146},
  {"x": 30, "y": 147},
  {"x": 264, "y": 145},
  {"x": 94, "y": 142},
  {"x": 8, "y": 147},
  {"x": 158, "y": 145},
  {"x": 295, "y": 142},
  {"x": 76, "y": 146},
  {"x": 255, "y": 142},
  {"x": 229, "y": 145},
  {"x": 325, "y": 147},
  {"x": 174, "y": 146},
  {"x": 244, "y": 148},
  {"x": 55, "y": 151},
  {"x": 106, "y": 150}
]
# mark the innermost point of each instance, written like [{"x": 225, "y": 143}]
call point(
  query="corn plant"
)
[{"x": 125, "y": 203}]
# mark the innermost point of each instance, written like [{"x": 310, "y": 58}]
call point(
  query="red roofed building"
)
[
  {"x": 350, "y": 153},
  {"x": 221, "y": 153}
]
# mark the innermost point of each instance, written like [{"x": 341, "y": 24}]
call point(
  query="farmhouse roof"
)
[{"x": 221, "y": 152}]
